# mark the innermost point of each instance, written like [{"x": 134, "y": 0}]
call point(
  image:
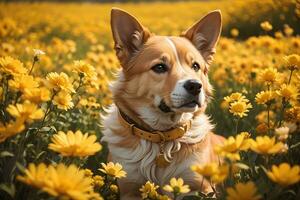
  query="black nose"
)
[{"x": 192, "y": 86}]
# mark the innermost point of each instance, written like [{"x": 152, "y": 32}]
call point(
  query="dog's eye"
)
[
  {"x": 196, "y": 66},
  {"x": 160, "y": 68}
]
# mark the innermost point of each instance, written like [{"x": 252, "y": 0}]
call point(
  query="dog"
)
[{"x": 156, "y": 128}]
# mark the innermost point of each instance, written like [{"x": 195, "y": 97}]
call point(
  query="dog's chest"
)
[
  {"x": 138, "y": 156},
  {"x": 140, "y": 163}
]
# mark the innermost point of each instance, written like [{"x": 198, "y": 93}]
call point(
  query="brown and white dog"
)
[{"x": 157, "y": 127}]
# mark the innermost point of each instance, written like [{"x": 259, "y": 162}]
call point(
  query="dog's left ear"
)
[
  {"x": 205, "y": 34},
  {"x": 129, "y": 35}
]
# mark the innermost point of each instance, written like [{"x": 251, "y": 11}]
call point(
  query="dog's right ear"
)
[
  {"x": 129, "y": 35},
  {"x": 205, "y": 34}
]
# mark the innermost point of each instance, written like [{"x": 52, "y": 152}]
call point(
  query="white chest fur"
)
[{"x": 139, "y": 161}]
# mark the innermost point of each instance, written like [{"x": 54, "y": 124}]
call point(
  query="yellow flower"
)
[
  {"x": 289, "y": 92},
  {"x": 36, "y": 95},
  {"x": 243, "y": 191},
  {"x": 235, "y": 97},
  {"x": 27, "y": 111},
  {"x": 12, "y": 66},
  {"x": 98, "y": 181},
  {"x": 63, "y": 181},
  {"x": 292, "y": 61},
  {"x": 278, "y": 35},
  {"x": 284, "y": 174},
  {"x": 264, "y": 97},
  {"x": 63, "y": 100},
  {"x": 266, "y": 26},
  {"x": 84, "y": 68},
  {"x": 114, "y": 170},
  {"x": 262, "y": 117},
  {"x": 114, "y": 188},
  {"x": 59, "y": 82},
  {"x": 177, "y": 186},
  {"x": 148, "y": 190},
  {"x": 231, "y": 147},
  {"x": 262, "y": 128},
  {"x": 234, "y": 32},
  {"x": 288, "y": 30},
  {"x": 88, "y": 172},
  {"x": 23, "y": 82},
  {"x": 293, "y": 114},
  {"x": 268, "y": 76},
  {"x": 239, "y": 108},
  {"x": 11, "y": 129},
  {"x": 212, "y": 171},
  {"x": 163, "y": 197},
  {"x": 206, "y": 170},
  {"x": 35, "y": 175},
  {"x": 267, "y": 145},
  {"x": 74, "y": 144},
  {"x": 222, "y": 174}
]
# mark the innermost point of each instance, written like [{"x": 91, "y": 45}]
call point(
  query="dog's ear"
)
[
  {"x": 129, "y": 35},
  {"x": 205, "y": 34}
]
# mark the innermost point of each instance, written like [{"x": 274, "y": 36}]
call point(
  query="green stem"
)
[
  {"x": 266, "y": 160},
  {"x": 284, "y": 104},
  {"x": 237, "y": 125},
  {"x": 175, "y": 195},
  {"x": 5, "y": 98},
  {"x": 17, "y": 97},
  {"x": 268, "y": 110},
  {"x": 35, "y": 59},
  {"x": 47, "y": 111},
  {"x": 79, "y": 84},
  {"x": 290, "y": 77}
]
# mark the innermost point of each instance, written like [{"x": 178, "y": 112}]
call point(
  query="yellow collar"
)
[{"x": 155, "y": 136}]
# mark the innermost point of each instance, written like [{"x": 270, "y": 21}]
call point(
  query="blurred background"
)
[{"x": 256, "y": 36}]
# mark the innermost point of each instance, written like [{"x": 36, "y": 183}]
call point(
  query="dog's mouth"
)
[
  {"x": 190, "y": 104},
  {"x": 187, "y": 106}
]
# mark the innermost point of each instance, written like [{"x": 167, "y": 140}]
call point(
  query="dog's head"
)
[{"x": 164, "y": 78}]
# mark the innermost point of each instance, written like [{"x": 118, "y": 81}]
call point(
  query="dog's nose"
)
[{"x": 192, "y": 86}]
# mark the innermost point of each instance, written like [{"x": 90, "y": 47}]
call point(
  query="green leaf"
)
[
  {"x": 211, "y": 194},
  {"x": 53, "y": 128},
  {"x": 292, "y": 192},
  {"x": 263, "y": 168},
  {"x": 9, "y": 189},
  {"x": 242, "y": 166},
  {"x": 20, "y": 166},
  {"x": 295, "y": 145},
  {"x": 40, "y": 154},
  {"x": 45, "y": 129},
  {"x": 6, "y": 154}
]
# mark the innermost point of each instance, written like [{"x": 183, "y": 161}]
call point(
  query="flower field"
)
[{"x": 56, "y": 62}]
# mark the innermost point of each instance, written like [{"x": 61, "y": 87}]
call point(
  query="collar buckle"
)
[{"x": 163, "y": 139}]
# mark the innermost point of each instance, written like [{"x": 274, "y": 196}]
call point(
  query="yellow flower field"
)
[{"x": 56, "y": 61}]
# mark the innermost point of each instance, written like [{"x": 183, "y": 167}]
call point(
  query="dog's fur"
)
[{"x": 139, "y": 91}]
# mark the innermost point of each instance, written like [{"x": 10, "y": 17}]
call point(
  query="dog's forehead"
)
[
  {"x": 171, "y": 45},
  {"x": 175, "y": 47}
]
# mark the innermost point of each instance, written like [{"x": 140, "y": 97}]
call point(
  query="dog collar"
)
[{"x": 154, "y": 136}]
